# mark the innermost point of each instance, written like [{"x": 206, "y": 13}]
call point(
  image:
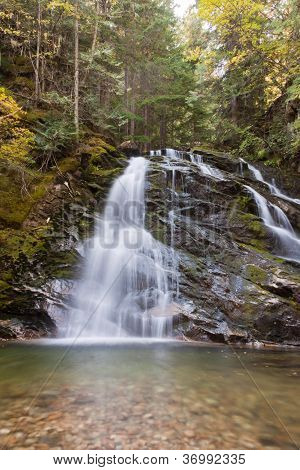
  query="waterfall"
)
[
  {"x": 277, "y": 192},
  {"x": 241, "y": 167},
  {"x": 279, "y": 225},
  {"x": 174, "y": 196},
  {"x": 171, "y": 153},
  {"x": 155, "y": 153},
  {"x": 205, "y": 168},
  {"x": 126, "y": 288},
  {"x": 272, "y": 186}
]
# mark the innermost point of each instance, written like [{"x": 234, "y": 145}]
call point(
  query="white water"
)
[
  {"x": 155, "y": 153},
  {"x": 272, "y": 186},
  {"x": 175, "y": 154},
  {"x": 205, "y": 168},
  {"x": 172, "y": 223},
  {"x": 126, "y": 286},
  {"x": 279, "y": 225}
]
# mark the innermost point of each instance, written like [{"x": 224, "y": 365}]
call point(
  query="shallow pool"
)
[{"x": 147, "y": 395}]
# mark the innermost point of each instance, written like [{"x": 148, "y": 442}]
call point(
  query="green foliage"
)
[
  {"x": 294, "y": 90},
  {"x": 247, "y": 67},
  {"x": 16, "y": 142},
  {"x": 228, "y": 74},
  {"x": 53, "y": 137}
]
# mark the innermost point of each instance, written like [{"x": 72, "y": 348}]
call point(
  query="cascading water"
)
[
  {"x": 127, "y": 283},
  {"x": 272, "y": 186},
  {"x": 175, "y": 275},
  {"x": 205, "y": 168},
  {"x": 175, "y": 154},
  {"x": 279, "y": 225},
  {"x": 155, "y": 153}
]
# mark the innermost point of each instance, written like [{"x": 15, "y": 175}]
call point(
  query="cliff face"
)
[
  {"x": 41, "y": 230},
  {"x": 236, "y": 286},
  {"x": 239, "y": 289}
]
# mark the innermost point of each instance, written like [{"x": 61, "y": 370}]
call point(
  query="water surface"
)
[{"x": 147, "y": 395}]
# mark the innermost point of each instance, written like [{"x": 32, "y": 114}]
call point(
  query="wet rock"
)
[
  {"x": 240, "y": 291},
  {"x": 42, "y": 255},
  {"x": 129, "y": 148}
]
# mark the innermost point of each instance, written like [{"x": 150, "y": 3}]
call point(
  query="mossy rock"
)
[
  {"x": 68, "y": 164},
  {"x": 14, "y": 243},
  {"x": 241, "y": 202},
  {"x": 255, "y": 274}
]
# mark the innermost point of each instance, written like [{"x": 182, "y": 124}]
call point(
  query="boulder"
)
[{"x": 129, "y": 148}]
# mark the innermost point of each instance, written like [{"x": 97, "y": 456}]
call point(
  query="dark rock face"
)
[
  {"x": 240, "y": 290},
  {"x": 40, "y": 260},
  {"x": 129, "y": 148},
  {"x": 237, "y": 289}
]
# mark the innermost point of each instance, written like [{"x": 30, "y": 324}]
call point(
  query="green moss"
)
[
  {"x": 103, "y": 173},
  {"x": 241, "y": 202},
  {"x": 258, "y": 245},
  {"x": 4, "y": 286},
  {"x": 255, "y": 274},
  {"x": 253, "y": 224},
  {"x": 24, "y": 82},
  {"x": 207, "y": 148},
  {"x": 6, "y": 276},
  {"x": 13, "y": 207},
  {"x": 15, "y": 202},
  {"x": 14, "y": 243},
  {"x": 257, "y": 227},
  {"x": 69, "y": 164},
  {"x": 259, "y": 248},
  {"x": 96, "y": 147},
  {"x": 160, "y": 234},
  {"x": 62, "y": 264},
  {"x": 36, "y": 114}
]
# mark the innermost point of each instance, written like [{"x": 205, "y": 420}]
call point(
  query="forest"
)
[{"x": 226, "y": 75}]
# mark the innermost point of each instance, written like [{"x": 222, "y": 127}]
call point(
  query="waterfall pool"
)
[{"x": 147, "y": 394}]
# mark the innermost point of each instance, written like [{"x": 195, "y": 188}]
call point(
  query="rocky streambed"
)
[{"x": 147, "y": 396}]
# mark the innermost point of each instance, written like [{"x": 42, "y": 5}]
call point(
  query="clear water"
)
[{"x": 147, "y": 395}]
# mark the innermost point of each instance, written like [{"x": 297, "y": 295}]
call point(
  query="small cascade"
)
[
  {"x": 272, "y": 186},
  {"x": 155, "y": 153},
  {"x": 241, "y": 168},
  {"x": 280, "y": 194},
  {"x": 174, "y": 154},
  {"x": 127, "y": 284},
  {"x": 174, "y": 197},
  {"x": 205, "y": 168},
  {"x": 279, "y": 225}
]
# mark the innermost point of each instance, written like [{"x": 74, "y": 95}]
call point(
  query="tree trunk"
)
[
  {"x": 38, "y": 51},
  {"x": 132, "y": 105},
  {"x": 146, "y": 128},
  {"x": 163, "y": 131},
  {"x": 76, "y": 71},
  {"x": 126, "y": 85},
  {"x": 94, "y": 42}
]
